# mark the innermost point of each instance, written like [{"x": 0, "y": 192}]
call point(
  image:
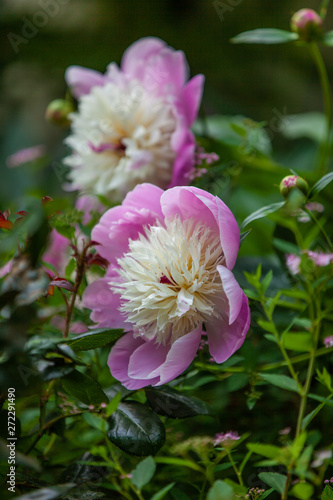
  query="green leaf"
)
[
  {"x": 96, "y": 422},
  {"x": 267, "y": 281},
  {"x": 301, "y": 342},
  {"x": 285, "y": 246},
  {"x": 266, "y": 325},
  {"x": 113, "y": 405},
  {"x": 93, "y": 339},
  {"x": 327, "y": 494},
  {"x": 178, "y": 462},
  {"x": 143, "y": 472},
  {"x": 171, "y": 403},
  {"x": 327, "y": 39},
  {"x": 84, "y": 388},
  {"x": 265, "y": 36},
  {"x": 50, "y": 493},
  {"x": 266, "y": 494},
  {"x": 266, "y": 450},
  {"x": 262, "y": 212},
  {"x": 275, "y": 480},
  {"x": 303, "y": 491},
  {"x": 321, "y": 184},
  {"x": 311, "y": 125},
  {"x": 161, "y": 494},
  {"x": 221, "y": 491},
  {"x": 281, "y": 381},
  {"x": 136, "y": 429}
]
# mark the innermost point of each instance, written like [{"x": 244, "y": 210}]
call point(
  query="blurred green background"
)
[{"x": 256, "y": 81}]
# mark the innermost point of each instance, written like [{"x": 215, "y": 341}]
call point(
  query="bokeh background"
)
[{"x": 259, "y": 82}]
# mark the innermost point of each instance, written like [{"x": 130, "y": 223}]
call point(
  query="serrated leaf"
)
[
  {"x": 265, "y": 36},
  {"x": 221, "y": 491},
  {"x": 161, "y": 494},
  {"x": 265, "y": 450},
  {"x": 50, "y": 493},
  {"x": 275, "y": 480},
  {"x": 136, "y": 429},
  {"x": 174, "y": 404},
  {"x": 327, "y": 494},
  {"x": 84, "y": 388},
  {"x": 262, "y": 212},
  {"x": 281, "y": 381},
  {"x": 143, "y": 472},
  {"x": 93, "y": 339},
  {"x": 301, "y": 342},
  {"x": 321, "y": 184}
]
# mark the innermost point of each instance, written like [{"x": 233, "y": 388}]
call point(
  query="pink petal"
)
[
  {"x": 224, "y": 339},
  {"x": 104, "y": 304},
  {"x": 191, "y": 97},
  {"x": 146, "y": 359},
  {"x": 81, "y": 80},
  {"x": 140, "y": 208},
  {"x": 179, "y": 357},
  {"x": 233, "y": 292},
  {"x": 183, "y": 164},
  {"x": 182, "y": 201},
  {"x": 141, "y": 50},
  {"x": 118, "y": 361},
  {"x": 211, "y": 210}
]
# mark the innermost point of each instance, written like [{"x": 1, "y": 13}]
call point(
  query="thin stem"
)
[
  {"x": 325, "y": 86},
  {"x": 322, "y": 230},
  {"x": 323, "y": 8},
  {"x": 306, "y": 389},
  {"x": 81, "y": 265},
  {"x": 239, "y": 475}
]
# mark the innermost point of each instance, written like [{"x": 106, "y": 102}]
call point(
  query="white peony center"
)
[
  {"x": 121, "y": 136},
  {"x": 169, "y": 282}
]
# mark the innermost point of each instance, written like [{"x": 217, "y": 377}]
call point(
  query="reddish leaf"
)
[{"x": 62, "y": 283}]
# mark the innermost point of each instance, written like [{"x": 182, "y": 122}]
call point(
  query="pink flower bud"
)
[
  {"x": 292, "y": 182},
  {"x": 307, "y": 24}
]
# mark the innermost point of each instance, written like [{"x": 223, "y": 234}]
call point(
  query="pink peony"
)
[
  {"x": 171, "y": 254},
  {"x": 133, "y": 123}
]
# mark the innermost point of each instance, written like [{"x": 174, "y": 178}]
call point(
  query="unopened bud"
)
[
  {"x": 292, "y": 182},
  {"x": 57, "y": 112},
  {"x": 307, "y": 24}
]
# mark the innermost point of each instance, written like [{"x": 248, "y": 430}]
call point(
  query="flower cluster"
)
[{"x": 319, "y": 259}]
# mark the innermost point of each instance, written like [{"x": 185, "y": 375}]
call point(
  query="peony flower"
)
[
  {"x": 133, "y": 123},
  {"x": 171, "y": 256}
]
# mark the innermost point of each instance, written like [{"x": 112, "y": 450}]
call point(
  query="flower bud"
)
[
  {"x": 57, "y": 112},
  {"x": 307, "y": 24},
  {"x": 292, "y": 182}
]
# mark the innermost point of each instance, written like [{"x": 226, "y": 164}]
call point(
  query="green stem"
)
[
  {"x": 323, "y": 8},
  {"x": 322, "y": 230},
  {"x": 326, "y": 90},
  {"x": 238, "y": 474},
  {"x": 309, "y": 374}
]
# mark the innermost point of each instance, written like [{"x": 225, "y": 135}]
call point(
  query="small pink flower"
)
[
  {"x": 226, "y": 439},
  {"x": 328, "y": 341},
  {"x": 293, "y": 263},
  {"x": 26, "y": 156},
  {"x": 171, "y": 256},
  {"x": 133, "y": 123},
  {"x": 320, "y": 259}
]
